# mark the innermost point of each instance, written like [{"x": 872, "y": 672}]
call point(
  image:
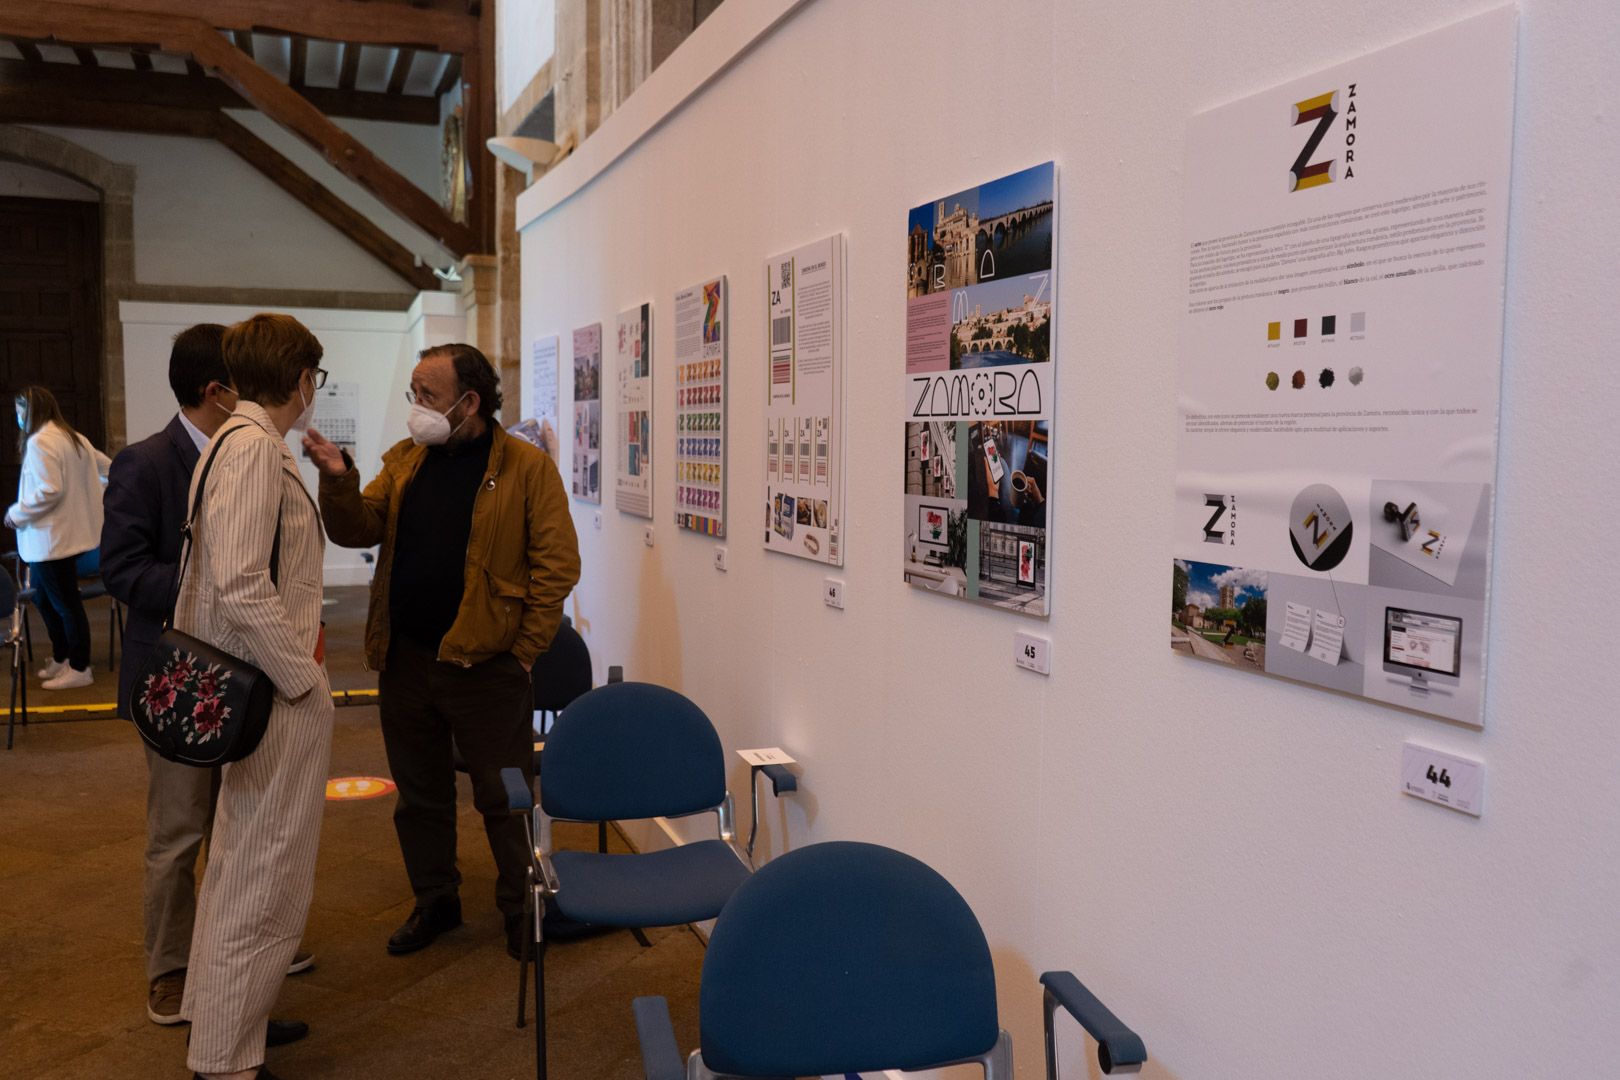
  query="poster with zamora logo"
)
[{"x": 1340, "y": 372}]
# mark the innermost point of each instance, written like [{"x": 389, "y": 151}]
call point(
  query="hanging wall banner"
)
[
  {"x": 633, "y": 481},
  {"x": 700, "y": 408},
  {"x": 587, "y": 486},
  {"x": 804, "y": 406},
  {"x": 979, "y": 392},
  {"x": 1340, "y": 372}
]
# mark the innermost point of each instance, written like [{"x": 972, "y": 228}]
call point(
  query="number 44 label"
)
[{"x": 1443, "y": 778}]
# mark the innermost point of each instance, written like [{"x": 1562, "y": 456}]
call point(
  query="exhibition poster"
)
[
  {"x": 1340, "y": 372},
  {"x": 804, "y": 407},
  {"x": 980, "y": 392},
  {"x": 337, "y": 415},
  {"x": 700, "y": 408},
  {"x": 633, "y": 482},
  {"x": 587, "y": 456},
  {"x": 541, "y": 425}
]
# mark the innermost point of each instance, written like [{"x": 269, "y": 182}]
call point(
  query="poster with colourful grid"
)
[{"x": 700, "y": 408}]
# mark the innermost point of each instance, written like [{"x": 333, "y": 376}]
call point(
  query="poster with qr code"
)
[
  {"x": 804, "y": 408},
  {"x": 337, "y": 414}
]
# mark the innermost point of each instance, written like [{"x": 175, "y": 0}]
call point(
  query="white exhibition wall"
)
[
  {"x": 376, "y": 349},
  {"x": 1226, "y": 860}
]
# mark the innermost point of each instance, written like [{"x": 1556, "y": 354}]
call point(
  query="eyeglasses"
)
[
  {"x": 412, "y": 399},
  {"x": 319, "y": 377}
]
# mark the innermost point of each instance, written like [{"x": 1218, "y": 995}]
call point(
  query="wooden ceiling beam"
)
[
  {"x": 428, "y": 29},
  {"x": 87, "y": 57},
  {"x": 400, "y": 71},
  {"x": 451, "y": 76},
  {"x": 30, "y": 51},
  {"x": 196, "y": 92},
  {"x": 143, "y": 60},
  {"x": 62, "y": 111},
  {"x": 299, "y": 62},
  {"x": 323, "y": 203},
  {"x": 347, "y": 154},
  {"x": 351, "y": 66},
  {"x": 244, "y": 40}
]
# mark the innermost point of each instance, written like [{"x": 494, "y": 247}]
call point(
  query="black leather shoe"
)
[
  {"x": 282, "y": 1032},
  {"x": 425, "y": 924}
]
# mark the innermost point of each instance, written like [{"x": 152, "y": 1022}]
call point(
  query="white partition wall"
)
[
  {"x": 373, "y": 349},
  {"x": 1228, "y": 861}
]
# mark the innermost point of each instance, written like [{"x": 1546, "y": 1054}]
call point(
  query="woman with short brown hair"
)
[{"x": 253, "y": 589}]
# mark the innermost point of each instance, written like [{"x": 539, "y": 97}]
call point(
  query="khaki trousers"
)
[
  {"x": 261, "y": 875},
  {"x": 179, "y": 813}
]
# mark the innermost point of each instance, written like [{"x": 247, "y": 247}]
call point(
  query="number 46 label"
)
[{"x": 1443, "y": 778}]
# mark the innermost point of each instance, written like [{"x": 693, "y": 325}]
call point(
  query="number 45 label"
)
[{"x": 1443, "y": 778}]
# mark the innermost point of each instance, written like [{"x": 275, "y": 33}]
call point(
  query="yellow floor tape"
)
[{"x": 339, "y": 697}]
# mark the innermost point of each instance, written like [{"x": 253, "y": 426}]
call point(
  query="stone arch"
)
[{"x": 116, "y": 185}]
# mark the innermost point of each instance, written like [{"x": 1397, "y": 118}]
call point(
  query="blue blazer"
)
[{"x": 145, "y": 508}]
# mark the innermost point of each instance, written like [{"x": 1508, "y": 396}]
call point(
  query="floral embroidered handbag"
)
[{"x": 192, "y": 703}]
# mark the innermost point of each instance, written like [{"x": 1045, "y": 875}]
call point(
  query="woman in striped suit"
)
[{"x": 261, "y": 859}]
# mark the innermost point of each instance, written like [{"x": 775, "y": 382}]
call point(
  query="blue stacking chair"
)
[
  {"x": 623, "y": 752},
  {"x": 846, "y": 958},
  {"x": 91, "y": 586}
]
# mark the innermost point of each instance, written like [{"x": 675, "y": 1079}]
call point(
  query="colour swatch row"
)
[{"x": 1329, "y": 326}]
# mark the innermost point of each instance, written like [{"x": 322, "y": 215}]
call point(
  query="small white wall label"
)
[
  {"x": 1032, "y": 653},
  {"x": 720, "y": 557},
  {"x": 833, "y": 593},
  {"x": 1443, "y": 778}
]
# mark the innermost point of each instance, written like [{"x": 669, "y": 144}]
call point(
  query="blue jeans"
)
[{"x": 63, "y": 610}]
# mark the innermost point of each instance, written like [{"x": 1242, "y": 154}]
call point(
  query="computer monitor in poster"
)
[{"x": 1422, "y": 647}]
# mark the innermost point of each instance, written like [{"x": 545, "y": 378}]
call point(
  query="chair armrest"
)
[
  {"x": 1118, "y": 1047},
  {"x": 781, "y": 779},
  {"x": 519, "y": 799},
  {"x": 660, "y": 1057}
]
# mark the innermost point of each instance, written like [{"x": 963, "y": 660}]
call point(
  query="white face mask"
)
[
  {"x": 307, "y": 415},
  {"x": 429, "y": 428}
]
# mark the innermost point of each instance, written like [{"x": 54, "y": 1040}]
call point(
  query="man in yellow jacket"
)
[{"x": 478, "y": 555}]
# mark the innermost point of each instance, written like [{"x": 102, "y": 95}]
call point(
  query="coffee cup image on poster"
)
[
  {"x": 804, "y": 408},
  {"x": 1340, "y": 373},
  {"x": 979, "y": 392},
  {"x": 586, "y": 449}
]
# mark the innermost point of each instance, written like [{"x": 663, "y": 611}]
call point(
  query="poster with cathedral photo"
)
[{"x": 980, "y": 291}]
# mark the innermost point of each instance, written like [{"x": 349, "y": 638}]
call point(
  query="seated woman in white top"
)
[{"x": 57, "y": 516}]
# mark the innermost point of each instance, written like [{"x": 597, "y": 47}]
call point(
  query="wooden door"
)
[{"x": 50, "y": 319}]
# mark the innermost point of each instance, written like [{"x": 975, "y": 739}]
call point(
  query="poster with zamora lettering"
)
[
  {"x": 980, "y": 383},
  {"x": 1340, "y": 372}
]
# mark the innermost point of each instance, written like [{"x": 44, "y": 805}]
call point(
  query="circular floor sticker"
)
[{"x": 357, "y": 787}]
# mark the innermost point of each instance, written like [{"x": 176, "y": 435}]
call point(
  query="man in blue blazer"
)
[{"x": 145, "y": 506}]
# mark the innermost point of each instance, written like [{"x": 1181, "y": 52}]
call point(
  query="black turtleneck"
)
[{"x": 430, "y": 544}]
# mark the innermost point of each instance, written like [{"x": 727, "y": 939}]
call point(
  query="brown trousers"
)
[{"x": 488, "y": 711}]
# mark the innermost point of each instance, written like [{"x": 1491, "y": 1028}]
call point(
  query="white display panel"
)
[
  {"x": 804, "y": 421},
  {"x": 980, "y": 385},
  {"x": 700, "y": 408},
  {"x": 1340, "y": 372},
  {"x": 633, "y": 478},
  {"x": 587, "y": 455}
]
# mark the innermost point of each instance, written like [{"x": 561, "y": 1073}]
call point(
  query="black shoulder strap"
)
[{"x": 191, "y": 520}]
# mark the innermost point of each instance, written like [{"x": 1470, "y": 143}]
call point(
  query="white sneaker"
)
[
  {"x": 70, "y": 678},
  {"x": 52, "y": 669}
]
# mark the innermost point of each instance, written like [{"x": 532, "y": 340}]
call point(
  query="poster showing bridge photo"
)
[{"x": 980, "y": 392}]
